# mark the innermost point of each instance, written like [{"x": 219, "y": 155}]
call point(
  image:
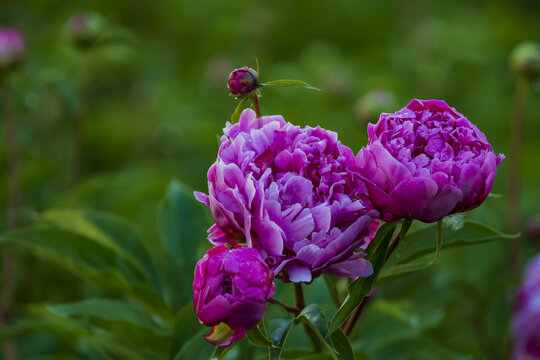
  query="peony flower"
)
[
  {"x": 230, "y": 291},
  {"x": 289, "y": 193},
  {"x": 526, "y": 321},
  {"x": 426, "y": 161},
  {"x": 12, "y": 47},
  {"x": 243, "y": 81}
]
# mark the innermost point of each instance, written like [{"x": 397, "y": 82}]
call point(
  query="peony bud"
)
[
  {"x": 230, "y": 291},
  {"x": 12, "y": 48},
  {"x": 85, "y": 28},
  {"x": 243, "y": 81},
  {"x": 525, "y": 59},
  {"x": 368, "y": 108}
]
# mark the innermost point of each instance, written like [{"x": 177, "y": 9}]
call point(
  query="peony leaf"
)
[
  {"x": 277, "y": 323},
  {"x": 219, "y": 352},
  {"x": 420, "y": 242},
  {"x": 290, "y": 83},
  {"x": 314, "y": 317},
  {"x": 362, "y": 286},
  {"x": 397, "y": 271},
  {"x": 342, "y": 345},
  {"x": 257, "y": 338}
]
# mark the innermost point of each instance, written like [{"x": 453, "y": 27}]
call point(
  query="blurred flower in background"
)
[
  {"x": 86, "y": 28},
  {"x": 526, "y": 321},
  {"x": 12, "y": 48},
  {"x": 369, "y": 107},
  {"x": 525, "y": 59}
]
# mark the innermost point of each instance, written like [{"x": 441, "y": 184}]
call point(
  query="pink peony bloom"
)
[
  {"x": 289, "y": 193},
  {"x": 230, "y": 291},
  {"x": 426, "y": 161}
]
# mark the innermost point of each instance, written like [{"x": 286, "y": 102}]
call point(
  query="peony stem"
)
[
  {"x": 9, "y": 270},
  {"x": 301, "y": 304},
  {"x": 255, "y": 100},
  {"x": 439, "y": 240},
  {"x": 292, "y": 309},
  {"x": 394, "y": 242},
  {"x": 332, "y": 290},
  {"x": 516, "y": 146}
]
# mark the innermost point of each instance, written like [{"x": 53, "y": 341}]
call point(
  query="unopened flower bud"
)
[
  {"x": 243, "y": 81},
  {"x": 230, "y": 291},
  {"x": 12, "y": 47},
  {"x": 368, "y": 108},
  {"x": 525, "y": 59},
  {"x": 85, "y": 28}
]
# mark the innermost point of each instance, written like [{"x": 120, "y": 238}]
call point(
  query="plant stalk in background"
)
[{"x": 9, "y": 267}]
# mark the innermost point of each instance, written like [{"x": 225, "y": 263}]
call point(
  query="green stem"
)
[
  {"x": 439, "y": 240},
  {"x": 292, "y": 309},
  {"x": 301, "y": 304},
  {"x": 353, "y": 318},
  {"x": 516, "y": 147},
  {"x": 332, "y": 290},
  {"x": 255, "y": 100}
]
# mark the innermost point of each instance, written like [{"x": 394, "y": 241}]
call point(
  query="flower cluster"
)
[
  {"x": 526, "y": 322},
  {"x": 426, "y": 161},
  {"x": 301, "y": 204},
  {"x": 12, "y": 47}
]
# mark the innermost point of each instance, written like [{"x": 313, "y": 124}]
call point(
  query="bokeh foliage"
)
[{"x": 152, "y": 103}]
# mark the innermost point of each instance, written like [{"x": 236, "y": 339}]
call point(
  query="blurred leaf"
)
[
  {"x": 182, "y": 223},
  {"x": 290, "y": 83},
  {"x": 219, "y": 352},
  {"x": 362, "y": 286},
  {"x": 295, "y": 353},
  {"x": 421, "y": 242},
  {"x": 400, "y": 270},
  {"x": 88, "y": 260},
  {"x": 342, "y": 345},
  {"x": 186, "y": 325},
  {"x": 257, "y": 338},
  {"x": 111, "y": 310},
  {"x": 108, "y": 230},
  {"x": 238, "y": 110},
  {"x": 195, "y": 345}
]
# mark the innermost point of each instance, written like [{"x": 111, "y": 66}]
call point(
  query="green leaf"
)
[
  {"x": 295, "y": 353},
  {"x": 290, "y": 83},
  {"x": 257, "y": 338},
  {"x": 219, "y": 352},
  {"x": 342, "y": 345},
  {"x": 421, "y": 242},
  {"x": 362, "y": 286},
  {"x": 277, "y": 323},
  {"x": 182, "y": 223},
  {"x": 314, "y": 315},
  {"x": 400, "y": 270},
  {"x": 238, "y": 110}
]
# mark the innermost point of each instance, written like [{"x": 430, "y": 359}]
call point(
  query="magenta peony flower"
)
[
  {"x": 243, "y": 81},
  {"x": 12, "y": 47},
  {"x": 426, "y": 161},
  {"x": 526, "y": 321},
  {"x": 230, "y": 291},
  {"x": 289, "y": 193}
]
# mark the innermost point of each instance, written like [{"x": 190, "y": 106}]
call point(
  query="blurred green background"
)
[{"x": 152, "y": 100}]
